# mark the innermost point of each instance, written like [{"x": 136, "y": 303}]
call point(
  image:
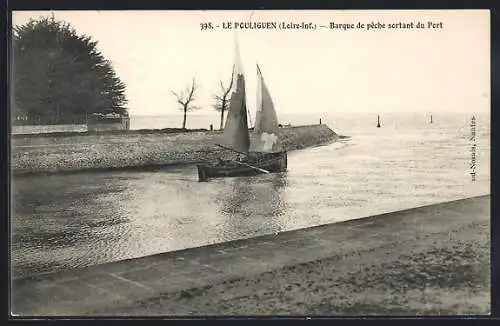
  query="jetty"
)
[{"x": 129, "y": 150}]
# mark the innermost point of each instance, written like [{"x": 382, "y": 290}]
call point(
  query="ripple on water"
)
[{"x": 71, "y": 221}]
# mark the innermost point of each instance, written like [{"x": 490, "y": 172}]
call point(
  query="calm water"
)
[{"x": 64, "y": 222}]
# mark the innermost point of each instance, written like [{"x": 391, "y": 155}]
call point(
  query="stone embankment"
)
[{"x": 80, "y": 152}]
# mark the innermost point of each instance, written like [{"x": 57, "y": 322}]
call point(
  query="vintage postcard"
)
[{"x": 225, "y": 163}]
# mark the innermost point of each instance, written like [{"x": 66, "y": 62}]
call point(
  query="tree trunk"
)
[
  {"x": 184, "y": 120},
  {"x": 222, "y": 118},
  {"x": 223, "y": 108}
]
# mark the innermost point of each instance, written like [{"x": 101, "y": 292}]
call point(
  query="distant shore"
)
[
  {"x": 75, "y": 152},
  {"x": 111, "y": 132}
]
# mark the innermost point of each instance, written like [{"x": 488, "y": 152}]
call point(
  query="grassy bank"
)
[{"x": 113, "y": 150}]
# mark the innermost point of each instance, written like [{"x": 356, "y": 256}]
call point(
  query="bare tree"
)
[
  {"x": 185, "y": 99},
  {"x": 221, "y": 100}
]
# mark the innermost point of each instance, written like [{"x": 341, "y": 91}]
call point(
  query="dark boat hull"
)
[{"x": 272, "y": 162}]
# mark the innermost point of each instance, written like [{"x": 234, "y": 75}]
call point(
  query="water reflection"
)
[
  {"x": 64, "y": 218},
  {"x": 254, "y": 205},
  {"x": 70, "y": 221}
]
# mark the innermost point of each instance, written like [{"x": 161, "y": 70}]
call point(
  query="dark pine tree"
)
[{"x": 61, "y": 76}]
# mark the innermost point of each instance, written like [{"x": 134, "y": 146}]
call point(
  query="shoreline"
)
[
  {"x": 60, "y": 134},
  {"x": 118, "y": 150},
  {"x": 137, "y": 168},
  {"x": 417, "y": 261}
]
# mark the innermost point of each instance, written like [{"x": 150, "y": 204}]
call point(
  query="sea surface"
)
[{"x": 64, "y": 222}]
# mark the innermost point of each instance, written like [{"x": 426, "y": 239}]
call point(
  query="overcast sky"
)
[{"x": 413, "y": 70}]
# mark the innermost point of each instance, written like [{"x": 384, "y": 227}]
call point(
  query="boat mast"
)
[{"x": 249, "y": 118}]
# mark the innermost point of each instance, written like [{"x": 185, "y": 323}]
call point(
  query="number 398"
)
[{"x": 205, "y": 26}]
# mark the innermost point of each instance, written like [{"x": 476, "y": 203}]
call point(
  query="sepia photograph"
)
[{"x": 250, "y": 163}]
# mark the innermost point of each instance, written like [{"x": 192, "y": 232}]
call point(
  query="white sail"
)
[{"x": 266, "y": 128}]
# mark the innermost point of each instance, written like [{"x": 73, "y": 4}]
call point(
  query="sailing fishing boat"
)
[{"x": 262, "y": 151}]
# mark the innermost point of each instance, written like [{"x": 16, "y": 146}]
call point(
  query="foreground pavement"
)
[{"x": 428, "y": 260}]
